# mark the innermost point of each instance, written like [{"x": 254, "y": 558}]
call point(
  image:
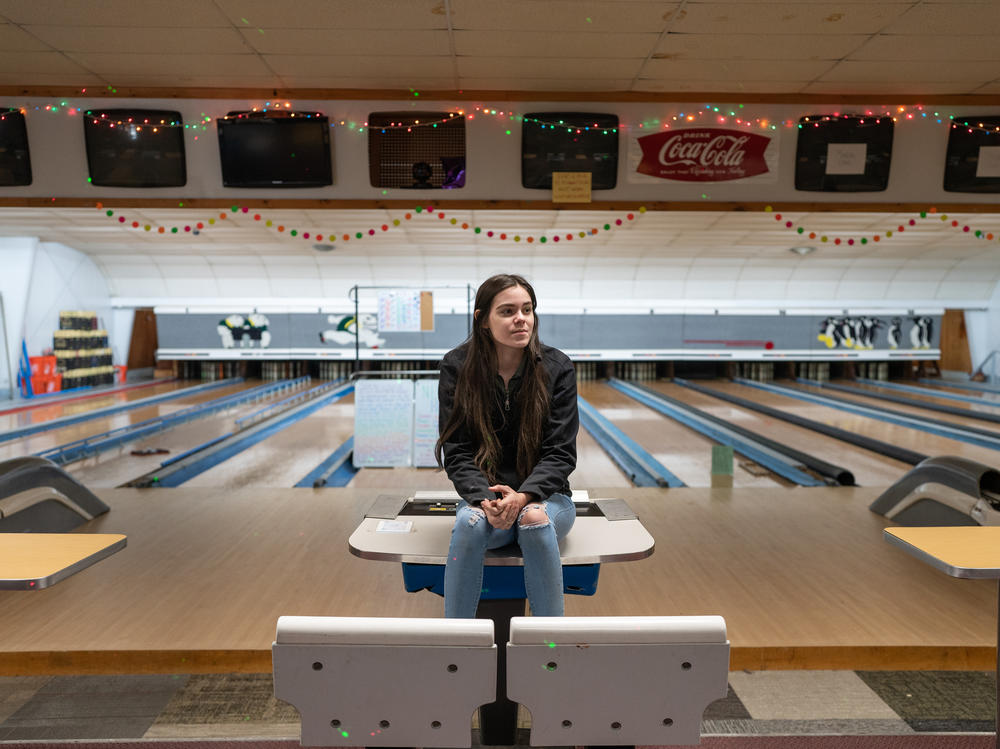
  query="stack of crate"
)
[{"x": 83, "y": 356}]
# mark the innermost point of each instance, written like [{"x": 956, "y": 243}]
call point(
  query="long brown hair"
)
[{"x": 475, "y": 389}]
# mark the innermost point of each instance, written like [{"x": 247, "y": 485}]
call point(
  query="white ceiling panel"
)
[
  {"x": 121, "y": 13},
  {"x": 344, "y": 14},
  {"x": 949, "y": 19},
  {"x": 562, "y": 15},
  {"x": 142, "y": 40},
  {"x": 344, "y": 41},
  {"x": 917, "y": 48},
  {"x": 787, "y": 18}
]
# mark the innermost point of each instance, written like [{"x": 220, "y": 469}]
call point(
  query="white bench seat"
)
[
  {"x": 617, "y": 680},
  {"x": 359, "y": 681}
]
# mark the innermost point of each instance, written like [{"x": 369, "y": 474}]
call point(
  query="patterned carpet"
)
[{"x": 242, "y": 706}]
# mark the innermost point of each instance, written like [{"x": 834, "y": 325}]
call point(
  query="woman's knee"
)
[{"x": 533, "y": 515}]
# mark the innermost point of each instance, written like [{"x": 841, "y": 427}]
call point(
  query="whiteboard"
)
[
  {"x": 425, "y": 422},
  {"x": 383, "y": 423}
]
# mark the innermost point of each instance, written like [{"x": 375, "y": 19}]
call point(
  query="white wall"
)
[
  {"x": 63, "y": 279},
  {"x": 983, "y": 329},
  {"x": 190, "y": 275},
  {"x": 59, "y": 162},
  {"x": 17, "y": 256}
]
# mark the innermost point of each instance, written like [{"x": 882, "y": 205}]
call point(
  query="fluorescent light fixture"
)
[{"x": 802, "y": 250}]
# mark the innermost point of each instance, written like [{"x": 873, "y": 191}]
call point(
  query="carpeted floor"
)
[{"x": 235, "y": 706}]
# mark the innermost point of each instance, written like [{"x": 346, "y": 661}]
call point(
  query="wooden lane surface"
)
[
  {"x": 803, "y": 578},
  {"x": 683, "y": 451},
  {"x": 117, "y": 466},
  {"x": 873, "y": 402},
  {"x": 286, "y": 457},
  {"x": 911, "y": 439},
  {"x": 47, "y": 440},
  {"x": 593, "y": 468},
  {"x": 869, "y": 468},
  {"x": 930, "y": 395},
  {"x": 56, "y": 410},
  {"x": 946, "y": 388}
]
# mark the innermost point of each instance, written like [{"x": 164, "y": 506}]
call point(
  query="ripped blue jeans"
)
[{"x": 473, "y": 535}]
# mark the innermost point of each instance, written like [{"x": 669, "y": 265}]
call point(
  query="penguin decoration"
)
[
  {"x": 828, "y": 329},
  {"x": 845, "y": 328},
  {"x": 920, "y": 333},
  {"x": 231, "y": 330},
  {"x": 256, "y": 330},
  {"x": 894, "y": 333}
]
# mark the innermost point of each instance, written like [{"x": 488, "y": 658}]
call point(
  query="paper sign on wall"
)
[
  {"x": 571, "y": 187},
  {"x": 846, "y": 158},
  {"x": 405, "y": 311},
  {"x": 989, "y": 162}
]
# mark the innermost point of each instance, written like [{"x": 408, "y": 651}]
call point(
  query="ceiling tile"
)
[
  {"x": 141, "y": 40},
  {"x": 338, "y": 42},
  {"x": 335, "y": 14},
  {"x": 787, "y": 18},
  {"x": 562, "y": 15},
  {"x": 112, "y": 65},
  {"x": 175, "y": 14}
]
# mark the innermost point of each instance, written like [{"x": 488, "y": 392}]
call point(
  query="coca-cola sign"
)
[{"x": 704, "y": 154}]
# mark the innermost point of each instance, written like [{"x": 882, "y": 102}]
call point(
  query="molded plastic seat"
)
[
  {"x": 362, "y": 681},
  {"x": 617, "y": 680}
]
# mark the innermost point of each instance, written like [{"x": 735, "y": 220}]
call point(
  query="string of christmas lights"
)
[
  {"x": 196, "y": 227},
  {"x": 887, "y": 234},
  {"x": 717, "y": 114}
]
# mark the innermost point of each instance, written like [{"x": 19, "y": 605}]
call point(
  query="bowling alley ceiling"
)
[
  {"x": 916, "y": 47},
  {"x": 573, "y": 49}
]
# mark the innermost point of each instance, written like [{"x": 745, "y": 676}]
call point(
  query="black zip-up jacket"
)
[{"x": 557, "y": 452}]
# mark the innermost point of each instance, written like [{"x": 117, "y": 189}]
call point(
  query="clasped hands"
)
[{"x": 502, "y": 513}]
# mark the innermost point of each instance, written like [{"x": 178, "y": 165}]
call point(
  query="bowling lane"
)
[
  {"x": 117, "y": 466},
  {"x": 989, "y": 398},
  {"x": 911, "y": 439},
  {"x": 285, "y": 457},
  {"x": 929, "y": 395},
  {"x": 686, "y": 453},
  {"x": 869, "y": 468},
  {"x": 56, "y": 410},
  {"x": 594, "y": 470},
  {"x": 53, "y": 438},
  {"x": 873, "y": 402}
]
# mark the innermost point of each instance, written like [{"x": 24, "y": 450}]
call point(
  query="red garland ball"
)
[
  {"x": 788, "y": 224},
  {"x": 200, "y": 225},
  {"x": 385, "y": 227},
  {"x": 489, "y": 234},
  {"x": 630, "y": 216},
  {"x": 503, "y": 236},
  {"x": 135, "y": 224},
  {"x": 187, "y": 228},
  {"x": 371, "y": 232},
  {"x": 305, "y": 235},
  {"x": 121, "y": 219},
  {"x": 618, "y": 222},
  {"x": 555, "y": 238}
]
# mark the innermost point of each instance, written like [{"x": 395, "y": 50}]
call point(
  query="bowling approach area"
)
[{"x": 831, "y": 629}]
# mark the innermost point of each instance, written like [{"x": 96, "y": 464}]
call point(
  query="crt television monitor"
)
[
  {"x": 569, "y": 142},
  {"x": 15, "y": 161},
  {"x": 972, "y": 161},
  {"x": 135, "y": 147},
  {"x": 275, "y": 149},
  {"x": 843, "y": 153}
]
